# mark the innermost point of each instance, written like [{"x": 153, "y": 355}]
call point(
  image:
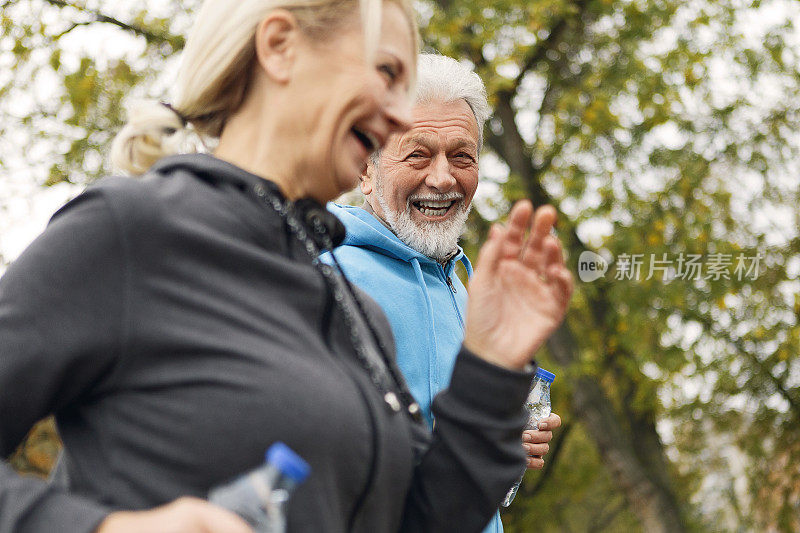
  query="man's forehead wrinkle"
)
[
  {"x": 439, "y": 123},
  {"x": 430, "y": 140},
  {"x": 415, "y": 136}
]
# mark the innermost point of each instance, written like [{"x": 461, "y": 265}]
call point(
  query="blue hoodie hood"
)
[{"x": 424, "y": 301}]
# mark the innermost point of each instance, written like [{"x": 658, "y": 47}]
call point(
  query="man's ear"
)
[
  {"x": 277, "y": 39},
  {"x": 365, "y": 180}
]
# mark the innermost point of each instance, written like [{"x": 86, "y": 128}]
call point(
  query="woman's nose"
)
[{"x": 398, "y": 111}]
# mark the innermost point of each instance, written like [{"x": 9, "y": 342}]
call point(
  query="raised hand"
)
[{"x": 520, "y": 290}]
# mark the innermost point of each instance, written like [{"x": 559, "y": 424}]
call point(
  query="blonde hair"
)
[{"x": 215, "y": 70}]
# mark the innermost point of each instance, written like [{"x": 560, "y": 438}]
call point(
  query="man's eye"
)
[
  {"x": 414, "y": 155},
  {"x": 464, "y": 155}
]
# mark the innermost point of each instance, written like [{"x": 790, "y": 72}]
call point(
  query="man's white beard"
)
[{"x": 437, "y": 240}]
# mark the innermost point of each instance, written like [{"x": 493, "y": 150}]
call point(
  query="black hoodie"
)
[{"x": 176, "y": 328}]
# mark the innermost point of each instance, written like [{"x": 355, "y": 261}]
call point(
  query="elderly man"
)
[{"x": 402, "y": 245}]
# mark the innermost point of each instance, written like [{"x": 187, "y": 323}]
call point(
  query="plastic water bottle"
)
[
  {"x": 260, "y": 496},
  {"x": 538, "y": 407}
]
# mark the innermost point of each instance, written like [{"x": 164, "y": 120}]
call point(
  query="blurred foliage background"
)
[{"x": 667, "y": 128}]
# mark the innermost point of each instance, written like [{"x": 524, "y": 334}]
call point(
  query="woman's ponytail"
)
[{"x": 152, "y": 132}]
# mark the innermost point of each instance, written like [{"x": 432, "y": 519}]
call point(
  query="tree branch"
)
[
  {"x": 515, "y": 151},
  {"x": 538, "y": 52},
  {"x": 738, "y": 345},
  {"x": 97, "y": 16},
  {"x": 72, "y": 27}
]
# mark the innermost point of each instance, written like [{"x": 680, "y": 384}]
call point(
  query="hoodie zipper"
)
[
  {"x": 450, "y": 284},
  {"x": 454, "y": 291}
]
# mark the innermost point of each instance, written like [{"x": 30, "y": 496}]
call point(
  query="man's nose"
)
[{"x": 439, "y": 177}]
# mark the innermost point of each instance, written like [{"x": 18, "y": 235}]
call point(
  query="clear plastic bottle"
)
[
  {"x": 538, "y": 407},
  {"x": 260, "y": 495}
]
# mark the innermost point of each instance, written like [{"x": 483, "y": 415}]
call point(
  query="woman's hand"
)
[
  {"x": 184, "y": 515},
  {"x": 520, "y": 290}
]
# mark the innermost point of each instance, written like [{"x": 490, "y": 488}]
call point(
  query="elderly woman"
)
[{"x": 179, "y": 324}]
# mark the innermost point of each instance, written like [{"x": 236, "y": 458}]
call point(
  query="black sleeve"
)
[
  {"x": 476, "y": 452},
  {"x": 61, "y": 307}
]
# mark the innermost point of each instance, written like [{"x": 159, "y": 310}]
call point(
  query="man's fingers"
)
[
  {"x": 537, "y": 449},
  {"x": 550, "y": 423},
  {"x": 534, "y": 436},
  {"x": 535, "y": 463}
]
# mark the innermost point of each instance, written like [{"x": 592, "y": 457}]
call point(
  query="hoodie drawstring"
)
[
  {"x": 431, "y": 336},
  {"x": 467, "y": 265}
]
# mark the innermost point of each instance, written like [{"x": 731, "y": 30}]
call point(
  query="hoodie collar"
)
[{"x": 214, "y": 170}]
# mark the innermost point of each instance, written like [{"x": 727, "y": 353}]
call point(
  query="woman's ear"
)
[{"x": 276, "y": 44}]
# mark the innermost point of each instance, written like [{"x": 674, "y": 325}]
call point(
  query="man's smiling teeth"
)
[{"x": 433, "y": 208}]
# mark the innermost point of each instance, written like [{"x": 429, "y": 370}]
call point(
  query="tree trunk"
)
[{"x": 635, "y": 459}]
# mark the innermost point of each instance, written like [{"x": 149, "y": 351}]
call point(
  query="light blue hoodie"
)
[
  {"x": 415, "y": 292},
  {"x": 424, "y": 301}
]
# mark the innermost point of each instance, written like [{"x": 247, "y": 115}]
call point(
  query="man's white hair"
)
[{"x": 442, "y": 79}]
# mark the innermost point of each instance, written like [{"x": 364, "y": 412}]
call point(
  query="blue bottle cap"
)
[
  {"x": 288, "y": 462},
  {"x": 545, "y": 375}
]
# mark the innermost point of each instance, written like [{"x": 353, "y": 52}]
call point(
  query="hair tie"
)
[{"x": 184, "y": 122}]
